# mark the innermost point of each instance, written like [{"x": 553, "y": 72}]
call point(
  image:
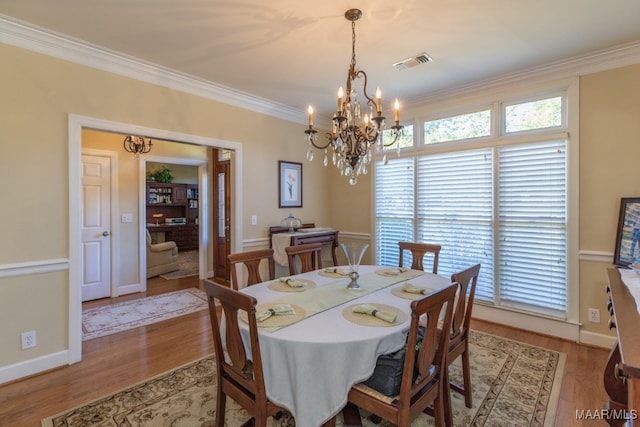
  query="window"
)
[
  {"x": 455, "y": 128},
  {"x": 539, "y": 114},
  {"x": 394, "y": 208},
  {"x": 501, "y": 203},
  {"x": 405, "y": 139},
  {"x": 532, "y": 226}
]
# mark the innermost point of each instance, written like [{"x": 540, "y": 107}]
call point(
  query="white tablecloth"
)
[{"x": 311, "y": 365}]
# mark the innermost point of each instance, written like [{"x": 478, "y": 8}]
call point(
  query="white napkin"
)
[
  {"x": 340, "y": 271},
  {"x": 279, "y": 310},
  {"x": 395, "y": 271},
  {"x": 294, "y": 283},
  {"x": 373, "y": 311},
  {"x": 412, "y": 289}
]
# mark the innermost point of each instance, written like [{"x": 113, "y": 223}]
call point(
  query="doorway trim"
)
[{"x": 75, "y": 125}]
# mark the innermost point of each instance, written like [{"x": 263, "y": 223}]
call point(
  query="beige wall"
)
[
  {"x": 609, "y": 166},
  {"x": 40, "y": 92}
]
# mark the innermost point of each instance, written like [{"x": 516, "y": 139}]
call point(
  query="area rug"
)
[
  {"x": 106, "y": 320},
  {"x": 188, "y": 261},
  {"x": 515, "y": 384}
]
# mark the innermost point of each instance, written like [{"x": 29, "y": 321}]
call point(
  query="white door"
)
[{"x": 96, "y": 227}]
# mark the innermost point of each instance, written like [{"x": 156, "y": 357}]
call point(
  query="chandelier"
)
[
  {"x": 354, "y": 134},
  {"x": 136, "y": 145}
]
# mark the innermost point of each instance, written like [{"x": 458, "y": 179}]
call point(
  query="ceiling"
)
[{"x": 296, "y": 53}]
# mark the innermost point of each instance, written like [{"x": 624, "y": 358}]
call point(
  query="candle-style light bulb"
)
[
  {"x": 378, "y": 101},
  {"x": 340, "y": 96},
  {"x": 310, "y": 110},
  {"x": 396, "y": 107}
]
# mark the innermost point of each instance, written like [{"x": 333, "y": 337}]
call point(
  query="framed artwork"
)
[
  {"x": 290, "y": 188},
  {"x": 627, "y": 249}
]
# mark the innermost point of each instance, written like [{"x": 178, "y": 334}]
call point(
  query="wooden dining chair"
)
[
  {"x": 418, "y": 251},
  {"x": 459, "y": 340},
  {"x": 238, "y": 376},
  {"x": 308, "y": 254},
  {"x": 251, "y": 261},
  {"x": 417, "y": 393}
]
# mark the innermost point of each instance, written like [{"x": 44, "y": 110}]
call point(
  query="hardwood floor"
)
[{"x": 116, "y": 361}]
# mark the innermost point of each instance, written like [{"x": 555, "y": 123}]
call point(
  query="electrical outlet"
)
[
  {"x": 28, "y": 339},
  {"x": 594, "y": 315}
]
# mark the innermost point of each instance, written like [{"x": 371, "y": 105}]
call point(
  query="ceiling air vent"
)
[{"x": 421, "y": 58}]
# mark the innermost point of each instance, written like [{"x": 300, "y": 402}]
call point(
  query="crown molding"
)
[
  {"x": 17, "y": 33},
  {"x": 602, "y": 60},
  {"x": 21, "y": 34}
]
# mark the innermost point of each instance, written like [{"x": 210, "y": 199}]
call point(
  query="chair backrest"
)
[
  {"x": 467, "y": 280},
  {"x": 242, "y": 376},
  {"x": 309, "y": 255},
  {"x": 418, "y": 251},
  {"x": 431, "y": 359},
  {"x": 251, "y": 261}
]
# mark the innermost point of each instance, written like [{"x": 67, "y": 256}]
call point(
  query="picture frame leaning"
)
[
  {"x": 290, "y": 184},
  {"x": 627, "y": 248}
]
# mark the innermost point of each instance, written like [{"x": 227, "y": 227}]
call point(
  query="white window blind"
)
[
  {"x": 455, "y": 210},
  {"x": 533, "y": 226},
  {"x": 394, "y": 207}
]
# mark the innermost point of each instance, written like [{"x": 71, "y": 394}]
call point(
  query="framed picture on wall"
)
[
  {"x": 627, "y": 249},
  {"x": 290, "y": 188}
]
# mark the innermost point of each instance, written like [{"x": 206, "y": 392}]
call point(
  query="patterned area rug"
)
[
  {"x": 101, "y": 321},
  {"x": 514, "y": 384},
  {"x": 189, "y": 266}
]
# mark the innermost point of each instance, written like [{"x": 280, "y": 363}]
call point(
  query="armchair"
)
[{"x": 161, "y": 257}]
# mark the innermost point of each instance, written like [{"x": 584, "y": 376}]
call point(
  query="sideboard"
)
[{"x": 622, "y": 372}]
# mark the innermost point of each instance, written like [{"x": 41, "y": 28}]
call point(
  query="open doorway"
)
[
  {"x": 172, "y": 215},
  {"x": 76, "y": 126}
]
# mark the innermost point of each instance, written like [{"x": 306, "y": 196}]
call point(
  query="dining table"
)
[{"x": 312, "y": 357}]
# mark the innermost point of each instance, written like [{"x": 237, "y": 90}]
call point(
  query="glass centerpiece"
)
[{"x": 354, "y": 252}]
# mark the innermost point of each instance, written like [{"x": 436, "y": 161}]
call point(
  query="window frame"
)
[{"x": 497, "y": 100}]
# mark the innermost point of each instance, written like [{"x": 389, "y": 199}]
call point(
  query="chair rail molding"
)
[
  {"x": 596, "y": 256},
  {"x": 33, "y": 267}
]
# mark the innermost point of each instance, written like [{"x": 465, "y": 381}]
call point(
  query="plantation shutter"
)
[
  {"x": 394, "y": 201},
  {"x": 455, "y": 210},
  {"x": 533, "y": 226}
]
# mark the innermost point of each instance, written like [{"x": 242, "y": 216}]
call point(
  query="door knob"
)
[{"x": 105, "y": 233}]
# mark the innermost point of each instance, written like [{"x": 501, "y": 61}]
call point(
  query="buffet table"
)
[
  {"x": 280, "y": 238},
  {"x": 622, "y": 372}
]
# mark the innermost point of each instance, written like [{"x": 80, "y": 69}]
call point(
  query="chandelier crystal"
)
[
  {"x": 356, "y": 127},
  {"x": 136, "y": 145}
]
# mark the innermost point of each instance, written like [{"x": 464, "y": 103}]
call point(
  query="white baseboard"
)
[
  {"x": 541, "y": 325},
  {"x": 597, "y": 340},
  {"x": 130, "y": 289},
  {"x": 33, "y": 366}
]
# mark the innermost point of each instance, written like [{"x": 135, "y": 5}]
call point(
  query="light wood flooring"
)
[{"x": 116, "y": 361}]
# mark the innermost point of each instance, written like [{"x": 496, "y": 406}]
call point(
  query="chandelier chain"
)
[{"x": 351, "y": 141}]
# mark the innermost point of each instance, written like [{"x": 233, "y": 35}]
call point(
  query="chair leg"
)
[
  {"x": 330, "y": 423},
  {"x": 445, "y": 401},
  {"x": 351, "y": 415},
  {"x": 221, "y": 400},
  {"x": 440, "y": 413},
  {"x": 466, "y": 374}
]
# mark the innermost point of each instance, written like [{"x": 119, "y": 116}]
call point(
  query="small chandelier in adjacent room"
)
[
  {"x": 354, "y": 134},
  {"x": 136, "y": 145}
]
